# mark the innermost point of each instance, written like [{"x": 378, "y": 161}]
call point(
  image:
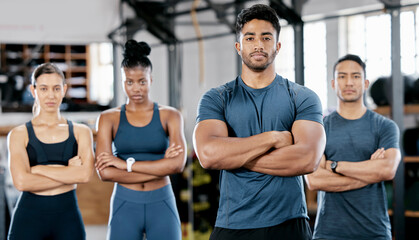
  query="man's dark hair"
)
[
  {"x": 350, "y": 57},
  {"x": 257, "y": 11}
]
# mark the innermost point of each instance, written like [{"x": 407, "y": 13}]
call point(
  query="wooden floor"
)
[{"x": 93, "y": 198}]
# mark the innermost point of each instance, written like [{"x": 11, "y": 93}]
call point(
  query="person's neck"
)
[
  {"x": 48, "y": 118},
  {"x": 258, "y": 80},
  {"x": 351, "y": 110},
  {"x": 139, "y": 106}
]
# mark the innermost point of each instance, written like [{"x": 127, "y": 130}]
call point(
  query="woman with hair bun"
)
[
  {"x": 140, "y": 144},
  {"x": 48, "y": 156}
]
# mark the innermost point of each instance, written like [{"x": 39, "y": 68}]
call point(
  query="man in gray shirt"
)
[{"x": 362, "y": 151}]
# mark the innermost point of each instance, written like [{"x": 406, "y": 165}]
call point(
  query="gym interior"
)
[{"x": 192, "y": 44}]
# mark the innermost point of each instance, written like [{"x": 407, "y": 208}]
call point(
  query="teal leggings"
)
[{"x": 138, "y": 213}]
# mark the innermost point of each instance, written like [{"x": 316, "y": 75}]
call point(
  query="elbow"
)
[
  {"x": 21, "y": 184},
  {"x": 310, "y": 163},
  {"x": 387, "y": 174},
  {"x": 311, "y": 167},
  {"x": 104, "y": 175},
  {"x": 85, "y": 177},
  {"x": 207, "y": 158},
  {"x": 178, "y": 168},
  {"x": 311, "y": 183}
]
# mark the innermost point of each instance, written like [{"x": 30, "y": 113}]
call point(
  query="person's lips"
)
[
  {"x": 137, "y": 97},
  {"x": 258, "y": 54}
]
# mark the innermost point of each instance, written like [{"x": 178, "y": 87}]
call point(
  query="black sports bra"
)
[{"x": 40, "y": 153}]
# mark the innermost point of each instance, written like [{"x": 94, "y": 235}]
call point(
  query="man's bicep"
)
[
  {"x": 308, "y": 132},
  {"x": 210, "y": 128},
  {"x": 393, "y": 154}
]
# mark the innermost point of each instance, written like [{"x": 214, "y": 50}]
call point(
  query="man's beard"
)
[{"x": 259, "y": 67}]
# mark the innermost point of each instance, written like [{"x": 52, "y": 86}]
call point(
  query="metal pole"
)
[
  {"x": 118, "y": 96},
  {"x": 299, "y": 52},
  {"x": 397, "y": 113},
  {"x": 238, "y": 8},
  {"x": 175, "y": 82},
  {"x": 2, "y": 204}
]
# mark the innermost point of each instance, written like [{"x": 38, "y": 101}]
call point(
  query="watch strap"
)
[{"x": 130, "y": 161}]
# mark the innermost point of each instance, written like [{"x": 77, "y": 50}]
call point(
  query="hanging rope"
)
[{"x": 200, "y": 40}]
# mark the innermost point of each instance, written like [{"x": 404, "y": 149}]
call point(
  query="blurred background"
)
[{"x": 192, "y": 51}]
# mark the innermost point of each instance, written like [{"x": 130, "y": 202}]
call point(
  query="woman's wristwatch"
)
[{"x": 130, "y": 161}]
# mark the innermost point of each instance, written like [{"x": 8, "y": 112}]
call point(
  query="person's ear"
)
[
  {"x": 238, "y": 48},
  {"x": 32, "y": 88},
  {"x": 367, "y": 83},
  {"x": 65, "y": 89},
  {"x": 278, "y": 46}
]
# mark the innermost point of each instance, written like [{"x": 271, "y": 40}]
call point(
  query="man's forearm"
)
[
  {"x": 381, "y": 166},
  {"x": 233, "y": 153},
  {"x": 324, "y": 180},
  {"x": 288, "y": 161},
  {"x": 370, "y": 171}
]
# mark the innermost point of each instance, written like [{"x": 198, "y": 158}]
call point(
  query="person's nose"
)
[
  {"x": 258, "y": 45},
  {"x": 137, "y": 87},
  {"x": 51, "y": 93},
  {"x": 349, "y": 81}
]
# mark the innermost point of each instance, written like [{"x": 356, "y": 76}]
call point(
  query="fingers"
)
[
  {"x": 173, "y": 151},
  {"x": 103, "y": 161},
  {"x": 75, "y": 161},
  {"x": 378, "y": 154}
]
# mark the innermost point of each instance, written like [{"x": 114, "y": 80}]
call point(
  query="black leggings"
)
[
  {"x": 47, "y": 217},
  {"x": 294, "y": 229}
]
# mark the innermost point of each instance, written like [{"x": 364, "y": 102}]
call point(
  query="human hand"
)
[
  {"x": 327, "y": 165},
  {"x": 104, "y": 160},
  {"x": 378, "y": 154},
  {"x": 282, "y": 139},
  {"x": 75, "y": 161},
  {"x": 173, "y": 151}
]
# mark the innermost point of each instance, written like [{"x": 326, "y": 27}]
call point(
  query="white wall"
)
[{"x": 57, "y": 21}]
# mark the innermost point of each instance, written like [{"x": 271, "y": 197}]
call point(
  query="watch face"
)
[
  {"x": 334, "y": 164},
  {"x": 130, "y": 160}
]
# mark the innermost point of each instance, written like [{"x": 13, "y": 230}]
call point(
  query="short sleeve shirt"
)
[
  {"x": 250, "y": 199},
  {"x": 360, "y": 213}
]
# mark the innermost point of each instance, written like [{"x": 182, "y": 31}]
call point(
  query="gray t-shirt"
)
[{"x": 361, "y": 213}]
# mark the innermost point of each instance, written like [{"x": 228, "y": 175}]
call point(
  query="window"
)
[
  {"x": 101, "y": 85},
  {"x": 284, "y": 63},
  {"x": 314, "y": 58},
  {"x": 369, "y": 36}
]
